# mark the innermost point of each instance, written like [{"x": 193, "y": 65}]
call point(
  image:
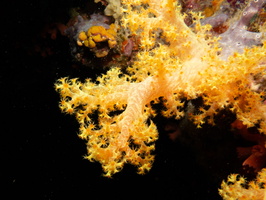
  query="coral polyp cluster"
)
[
  {"x": 237, "y": 187},
  {"x": 97, "y": 34},
  {"x": 174, "y": 63}
]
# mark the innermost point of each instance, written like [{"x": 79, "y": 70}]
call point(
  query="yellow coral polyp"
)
[
  {"x": 100, "y": 54},
  {"x": 82, "y": 36},
  {"x": 79, "y": 43},
  {"x": 98, "y": 38}
]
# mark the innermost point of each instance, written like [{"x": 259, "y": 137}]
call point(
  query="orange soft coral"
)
[{"x": 174, "y": 62}]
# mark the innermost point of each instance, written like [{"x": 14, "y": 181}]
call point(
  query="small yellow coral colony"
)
[
  {"x": 97, "y": 34},
  {"x": 174, "y": 62}
]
